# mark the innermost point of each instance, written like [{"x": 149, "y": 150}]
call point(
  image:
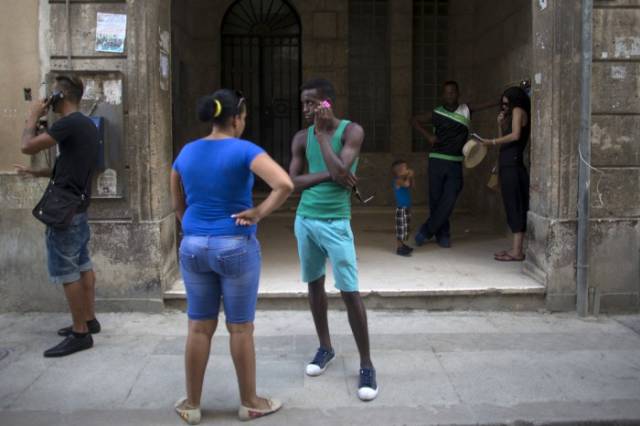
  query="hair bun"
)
[{"x": 205, "y": 108}]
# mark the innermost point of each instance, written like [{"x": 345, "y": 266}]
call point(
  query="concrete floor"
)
[
  {"x": 466, "y": 268},
  {"x": 454, "y": 368}
]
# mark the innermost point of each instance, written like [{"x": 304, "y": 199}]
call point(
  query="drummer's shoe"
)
[
  {"x": 422, "y": 238},
  {"x": 444, "y": 241}
]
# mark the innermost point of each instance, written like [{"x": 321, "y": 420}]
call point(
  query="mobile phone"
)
[
  {"x": 27, "y": 94},
  {"x": 55, "y": 97}
]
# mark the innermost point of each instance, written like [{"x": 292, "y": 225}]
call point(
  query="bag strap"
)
[
  {"x": 83, "y": 193},
  {"x": 86, "y": 185}
]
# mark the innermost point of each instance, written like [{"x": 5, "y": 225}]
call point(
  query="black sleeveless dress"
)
[{"x": 514, "y": 179}]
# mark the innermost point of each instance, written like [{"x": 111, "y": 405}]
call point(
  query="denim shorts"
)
[
  {"x": 221, "y": 268},
  {"x": 319, "y": 239},
  {"x": 67, "y": 251}
]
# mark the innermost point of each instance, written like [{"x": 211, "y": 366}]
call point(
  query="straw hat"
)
[{"x": 474, "y": 152}]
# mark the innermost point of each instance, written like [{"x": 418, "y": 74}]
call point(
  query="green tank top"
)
[{"x": 327, "y": 200}]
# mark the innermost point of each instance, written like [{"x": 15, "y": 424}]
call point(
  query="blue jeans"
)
[
  {"x": 67, "y": 251},
  {"x": 221, "y": 268}
]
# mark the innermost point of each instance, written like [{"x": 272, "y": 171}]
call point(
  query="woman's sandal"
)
[
  {"x": 190, "y": 415},
  {"x": 506, "y": 257},
  {"x": 248, "y": 413},
  {"x": 500, "y": 253}
]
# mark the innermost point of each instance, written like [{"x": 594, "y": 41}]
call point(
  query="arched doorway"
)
[{"x": 261, "y": 56}]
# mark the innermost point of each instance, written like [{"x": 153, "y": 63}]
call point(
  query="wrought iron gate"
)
[{"x": 261, "y": 56}]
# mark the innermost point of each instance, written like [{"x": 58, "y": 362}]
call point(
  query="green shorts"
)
[{"x": 319, "y": 239}]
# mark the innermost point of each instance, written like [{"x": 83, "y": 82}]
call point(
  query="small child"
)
[{"x": 402, "y": 182}]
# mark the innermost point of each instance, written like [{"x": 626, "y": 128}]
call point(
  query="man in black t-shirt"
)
[{"x": 67, "y": 249}]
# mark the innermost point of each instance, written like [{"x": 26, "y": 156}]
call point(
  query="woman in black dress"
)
[{"x": 514, "y": 127}]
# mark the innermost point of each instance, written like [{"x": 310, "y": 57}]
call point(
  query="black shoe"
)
[
  {"x": 404, "y": 251},
  {"x": 94, "y": 328},
  {"x": 444, "y": 241},
  {"x": 70, "y": 345},
  {"x": 407, "y": 247}
]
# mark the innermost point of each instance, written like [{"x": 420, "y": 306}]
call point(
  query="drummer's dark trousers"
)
[{"x": 445, "y": 184}]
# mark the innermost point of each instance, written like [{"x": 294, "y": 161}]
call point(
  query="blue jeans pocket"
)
[
  {"x": 189, "y": 262},
  {"x": 234, "y": 262}
]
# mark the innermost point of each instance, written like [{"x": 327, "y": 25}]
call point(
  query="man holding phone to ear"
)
[
  {"x": 330, "y": 148},
  {"x": 68, "y": 259}
]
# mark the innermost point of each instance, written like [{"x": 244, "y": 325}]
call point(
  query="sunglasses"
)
[{"x": 359, "y": 196}]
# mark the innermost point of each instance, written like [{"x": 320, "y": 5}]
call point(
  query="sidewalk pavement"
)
[{"x": 457, "y": 368}]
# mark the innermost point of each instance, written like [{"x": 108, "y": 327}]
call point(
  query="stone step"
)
[{"x": 517, "y": 298}]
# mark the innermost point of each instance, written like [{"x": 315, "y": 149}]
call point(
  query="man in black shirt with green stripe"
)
[{"x": 451, "y": 122}]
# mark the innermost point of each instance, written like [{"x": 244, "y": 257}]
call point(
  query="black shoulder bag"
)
[{"x": 57, "y": 206}]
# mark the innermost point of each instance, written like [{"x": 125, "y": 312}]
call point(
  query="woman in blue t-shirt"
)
[{"x": 211, "y": 187}]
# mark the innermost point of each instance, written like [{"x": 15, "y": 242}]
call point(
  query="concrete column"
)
[
  {"x": 401, "y": 16},
  {"x": 555, "y": 123}
]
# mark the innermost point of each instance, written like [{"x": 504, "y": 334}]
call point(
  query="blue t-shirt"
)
[
  {"x": 403, "y": 195},
  {"x": 217, "y": 182}
]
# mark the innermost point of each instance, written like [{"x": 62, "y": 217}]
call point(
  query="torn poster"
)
[{"x": 111, "y": 30}]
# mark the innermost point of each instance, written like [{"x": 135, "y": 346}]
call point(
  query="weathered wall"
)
[
  {"x": 614, "y": 264},
  {"x": 615, "y": 145},
  {"x": 133, "y": 232},
  {"x": 20, "y": 68},
  {"x": 490, "y": 49}
]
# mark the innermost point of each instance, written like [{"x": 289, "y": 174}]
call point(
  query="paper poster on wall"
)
[
  {"x": 111, "y": 29},
  {"x": 107, "y": 183}
]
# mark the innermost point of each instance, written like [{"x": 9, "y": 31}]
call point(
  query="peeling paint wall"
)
[
  {"x": 133, "y": 232},
  {"x": 614, "y": 263},
  {"x": 20, "y": 68},
  {"x": 615, "y": 157}
]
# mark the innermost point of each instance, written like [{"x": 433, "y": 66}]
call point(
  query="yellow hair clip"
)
[{"x": 218, "y": 108}]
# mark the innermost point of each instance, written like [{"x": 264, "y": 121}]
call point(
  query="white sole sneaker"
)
[
  {"x": 191, "y": 416},
  {"x": 314, "y": 370},
  {"x": 368, "y": 394}
]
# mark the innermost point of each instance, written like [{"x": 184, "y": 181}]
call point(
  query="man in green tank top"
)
[{"x": 329, "y": 148}]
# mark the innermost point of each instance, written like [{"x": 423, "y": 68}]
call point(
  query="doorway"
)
[{"x": 261, "y": 56}]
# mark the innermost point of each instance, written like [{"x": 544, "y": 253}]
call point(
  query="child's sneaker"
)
[
  {"x": 320, "y": 362},
  {"x": 368, "y": 388},
  {"x": 404, "y": 251}
]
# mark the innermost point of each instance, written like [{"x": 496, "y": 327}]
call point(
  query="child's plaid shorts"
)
[{"x": 403, "y": 221}]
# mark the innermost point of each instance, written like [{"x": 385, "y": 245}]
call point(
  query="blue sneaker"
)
[
  {"x": 444, "y": 241},
  {"x": 368, "y": 388},
  {"x": 421, "y": 238},
  {"x": 320, "y": 362}
]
